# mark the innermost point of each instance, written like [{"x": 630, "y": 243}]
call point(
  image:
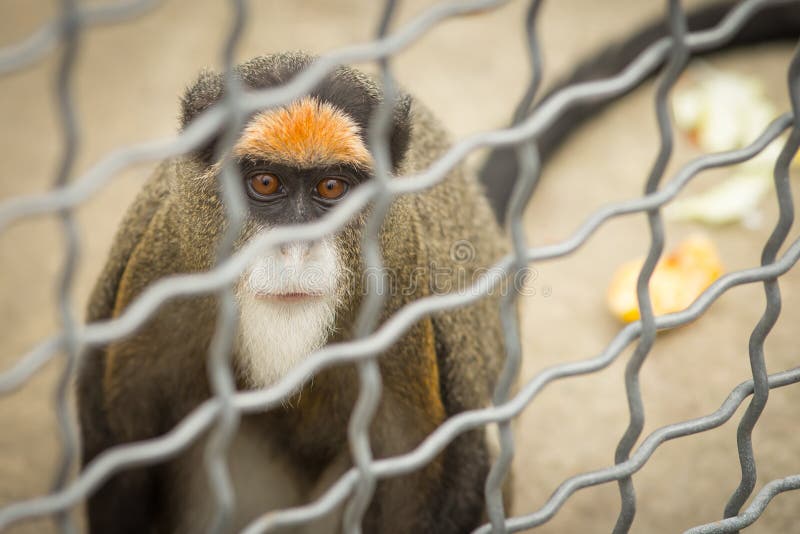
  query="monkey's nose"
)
[{"x": 297, "y": 251}]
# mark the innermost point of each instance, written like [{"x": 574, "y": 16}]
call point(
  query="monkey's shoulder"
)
[
  {"x": 454, "y": 215},
  {"x": 131, "y": 231}
]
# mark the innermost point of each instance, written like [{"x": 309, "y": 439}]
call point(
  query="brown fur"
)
[{"x": 142, "y": 386}]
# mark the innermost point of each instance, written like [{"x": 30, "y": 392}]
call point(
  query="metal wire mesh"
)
[{"x": 223, "y": 411}]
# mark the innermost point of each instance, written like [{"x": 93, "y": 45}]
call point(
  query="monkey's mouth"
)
[{"x": 289, "y": 296}]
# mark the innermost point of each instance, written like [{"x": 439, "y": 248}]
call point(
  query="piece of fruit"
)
[{"x": 679, "y": 278}]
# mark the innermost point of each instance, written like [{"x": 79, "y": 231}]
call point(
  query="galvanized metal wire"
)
[
  {"x": 70, "y": 31},
  {"x": 219, "y": 366},
  {"x": 221, "y": 413},
  {"x": 679, "y": 56}
]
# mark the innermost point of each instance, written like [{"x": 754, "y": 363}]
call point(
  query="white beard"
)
[{"x": 275, "y": 334}]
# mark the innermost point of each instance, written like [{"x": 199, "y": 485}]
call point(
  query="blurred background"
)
[{"x": 471, "y": 71}]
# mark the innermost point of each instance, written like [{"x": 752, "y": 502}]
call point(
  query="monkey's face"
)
[
  {"x": 297, "y": 163},
  {"x": 288, "y": 300}
]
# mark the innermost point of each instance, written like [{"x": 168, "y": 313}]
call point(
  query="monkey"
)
[
  {"x": 775, "y": 21},
  {"x": 140, "y": 387},
  {"x": 296, "y": 161}
]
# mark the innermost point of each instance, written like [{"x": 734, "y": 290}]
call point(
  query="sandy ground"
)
[{"x": 471, "y": 71}]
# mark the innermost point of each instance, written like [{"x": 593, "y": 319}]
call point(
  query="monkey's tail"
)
[{"x": 774, "y": 22}]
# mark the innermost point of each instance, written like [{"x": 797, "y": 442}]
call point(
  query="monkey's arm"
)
[
  {"x": 462, "y": 350},
  {"x": 118, "y": 506}
]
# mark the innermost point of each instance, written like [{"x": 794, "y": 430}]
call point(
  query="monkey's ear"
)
[
  {"x": 401, "y": 130},
  {"x": 201, "y": 95}
]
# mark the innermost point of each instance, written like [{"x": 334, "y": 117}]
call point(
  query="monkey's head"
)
[{"x": 297, "y": 161}]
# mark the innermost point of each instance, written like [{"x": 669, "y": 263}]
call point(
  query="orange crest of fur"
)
[{"x": 306, "y": 133}]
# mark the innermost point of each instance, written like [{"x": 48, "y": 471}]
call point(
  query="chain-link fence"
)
[{"x": 354, "y": 490}]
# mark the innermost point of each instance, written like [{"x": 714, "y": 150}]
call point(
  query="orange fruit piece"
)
[{"x": 679, "y": 278}]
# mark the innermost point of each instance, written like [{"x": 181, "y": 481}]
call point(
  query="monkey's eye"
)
[
  {"x": 264, "y": 184},
  {"x": 332, "y": 188}
]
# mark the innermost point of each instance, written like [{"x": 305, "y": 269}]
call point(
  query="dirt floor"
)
[{"x": 470, "y": 71}]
